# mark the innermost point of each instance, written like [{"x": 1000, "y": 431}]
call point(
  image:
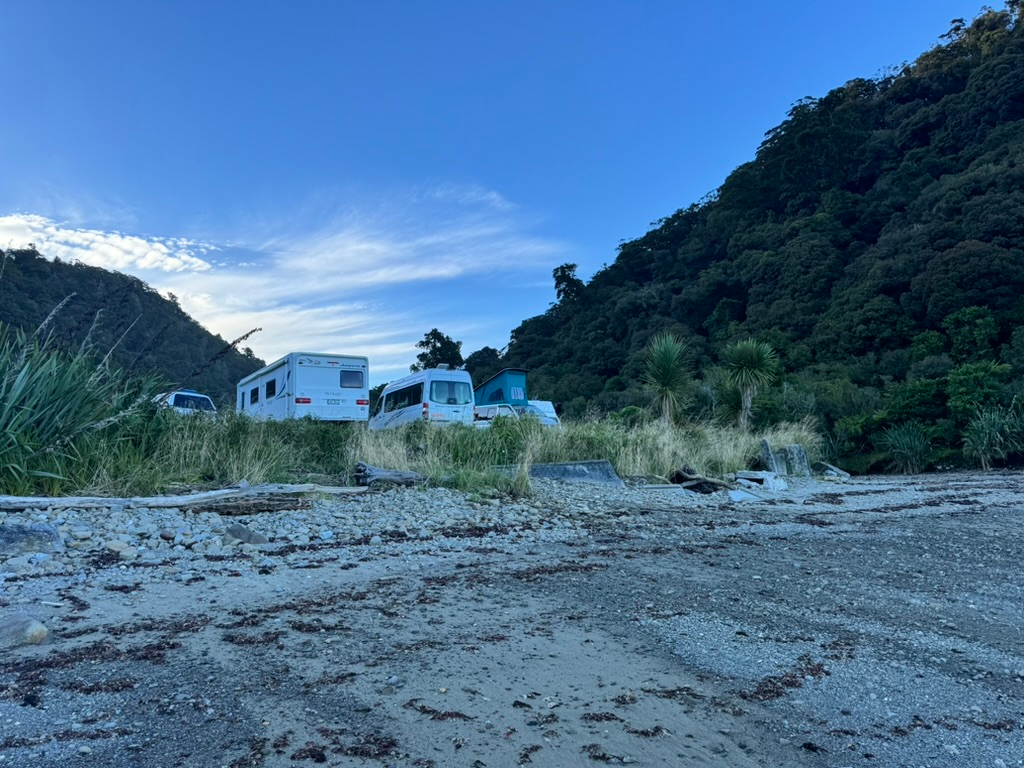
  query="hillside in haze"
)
[
  {"x": 877, "y": 237},
  {"x": 148, "y": 333}
]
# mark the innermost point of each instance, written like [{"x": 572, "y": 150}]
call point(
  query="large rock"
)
[
  {"x": 598, "y": 471},
  {"x": 797, "y": 462},
  {"x": 767, "y": 458},
  {"x": 244, "y": 535},
  {"x": 19, "y": 629},
  {"x": 18, "y": 539},
  {"x": 780, "y": 462},
  {"x": 827, "y": 470}
]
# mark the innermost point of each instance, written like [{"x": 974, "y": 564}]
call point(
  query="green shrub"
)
[
  {"x": 908, "y": 445},
  {"x": 975, "y": 385},
  {"x": 992, "y": 435},
  {"x": 630, "y": 416},
  {"x": 922, "y": 400}
]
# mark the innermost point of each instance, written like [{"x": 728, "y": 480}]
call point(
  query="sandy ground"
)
[{"x": 876, "y": 623}]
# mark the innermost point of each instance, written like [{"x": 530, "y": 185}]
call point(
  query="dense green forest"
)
[
  {"x": 876, "y": 241},
  {"x": 143, "y": 332}
]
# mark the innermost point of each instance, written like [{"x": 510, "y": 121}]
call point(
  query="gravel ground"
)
[{"x": 875, "y": 622}]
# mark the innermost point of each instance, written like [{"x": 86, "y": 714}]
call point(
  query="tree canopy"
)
[
  {"x": 438, "y": 349},
  {"x": 117, "y": 314},
  {"x": 886, "y": 210}
]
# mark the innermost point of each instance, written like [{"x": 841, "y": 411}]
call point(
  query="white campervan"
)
[
  {"x": 437, "y": 395},
  {"x": 323, "y": 386}
]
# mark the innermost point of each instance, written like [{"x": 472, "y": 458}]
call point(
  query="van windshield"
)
[
  {"x": 530, "y": 410},
  {"x": 193, "y": 402},
  {"x": 451, "y": 393}
]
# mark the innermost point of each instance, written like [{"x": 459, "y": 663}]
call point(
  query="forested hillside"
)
[
  {"x": 147, "y": 333},
  {"x": 876, "y": 240}
]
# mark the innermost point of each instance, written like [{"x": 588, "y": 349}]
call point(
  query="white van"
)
[
  {"x": 186, "y": 401},
  {"x": 437, "y": 395},
  {"x": 329, "y": 387}
]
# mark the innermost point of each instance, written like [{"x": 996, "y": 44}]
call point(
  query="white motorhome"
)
[
  {"x": 323, "y": 386},
  {"x": 437, "y": 395}
]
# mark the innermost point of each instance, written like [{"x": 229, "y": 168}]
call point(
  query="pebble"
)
[
  {"x": 20, "y": 629},
  {"x": 556, "y": 510}
]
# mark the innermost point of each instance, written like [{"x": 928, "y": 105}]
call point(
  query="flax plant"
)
[{"x": 51, "y": 403}]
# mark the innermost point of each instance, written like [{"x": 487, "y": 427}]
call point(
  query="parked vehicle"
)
[
  {"x": 506, "y": 386},
  {"x": 547, "y": 408},
  {"x": 504, "y": 394},
  {"x": 329, "y": 387},
  {"x": 485, "y": 414},
  {"x": 437, "y": 395},
  {"x": 186, "y": 402}
]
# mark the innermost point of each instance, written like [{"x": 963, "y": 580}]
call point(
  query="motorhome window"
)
[
  {"x": 404, "y": 397},
  {"x": 254, "y": 395},
  {"x": 271, "y": 389},
  {"x": 451, "y": 392},
  {"x": 352, "y": 379},
  {"x": 496, "y": 396}
]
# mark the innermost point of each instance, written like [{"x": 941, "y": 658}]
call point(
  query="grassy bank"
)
[
  {"x": 159, "y": 451},
  {"x": 71, "y": 425}
]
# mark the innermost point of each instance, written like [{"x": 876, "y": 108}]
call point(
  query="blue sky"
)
[{"x": 348, "y": 175}]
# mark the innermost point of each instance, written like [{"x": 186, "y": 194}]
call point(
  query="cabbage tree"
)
[
  {"x": 667, "y": 373},
  {"x": 750, "y": 365}
]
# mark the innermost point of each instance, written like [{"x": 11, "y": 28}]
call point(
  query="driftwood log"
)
[
  {"x": 686, "y": 478},
  {"x": 367, "y": 475},
  {"x": 226, "y": 501}
]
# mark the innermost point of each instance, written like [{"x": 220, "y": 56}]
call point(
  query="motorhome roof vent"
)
[{"x": 442, "y": 366}]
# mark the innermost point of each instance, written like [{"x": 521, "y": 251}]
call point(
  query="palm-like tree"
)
[
  {"x": 666, "y": 372},
  {"x": 751, "y": 365}
]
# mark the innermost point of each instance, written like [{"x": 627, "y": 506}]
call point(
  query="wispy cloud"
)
[{"x": 351, "y": 279}]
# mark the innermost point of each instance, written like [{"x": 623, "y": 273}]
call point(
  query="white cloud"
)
[
  {"x": 109, "y": 250},
  {"x": 328, "y": 280}
]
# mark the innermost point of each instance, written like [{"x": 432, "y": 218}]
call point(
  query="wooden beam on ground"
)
[{"x": 187, "y": 501}]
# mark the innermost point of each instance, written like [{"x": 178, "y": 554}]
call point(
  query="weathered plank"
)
[{"x": 186, "y": 501}]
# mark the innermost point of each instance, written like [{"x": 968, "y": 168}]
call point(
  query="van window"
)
[
  {"x": 496, "y": 396},
  {"x": 352, "y": 379},
  {"x": 271, "y": 389},
  {"x": 193, "y": 402},
  {"x": 404, "y": 397},
  {"x": 451, "y": 392},
  {"x": 254, "y": 395}
]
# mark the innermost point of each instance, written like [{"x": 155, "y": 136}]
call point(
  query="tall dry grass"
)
[{"x": 158, "y": 450}]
